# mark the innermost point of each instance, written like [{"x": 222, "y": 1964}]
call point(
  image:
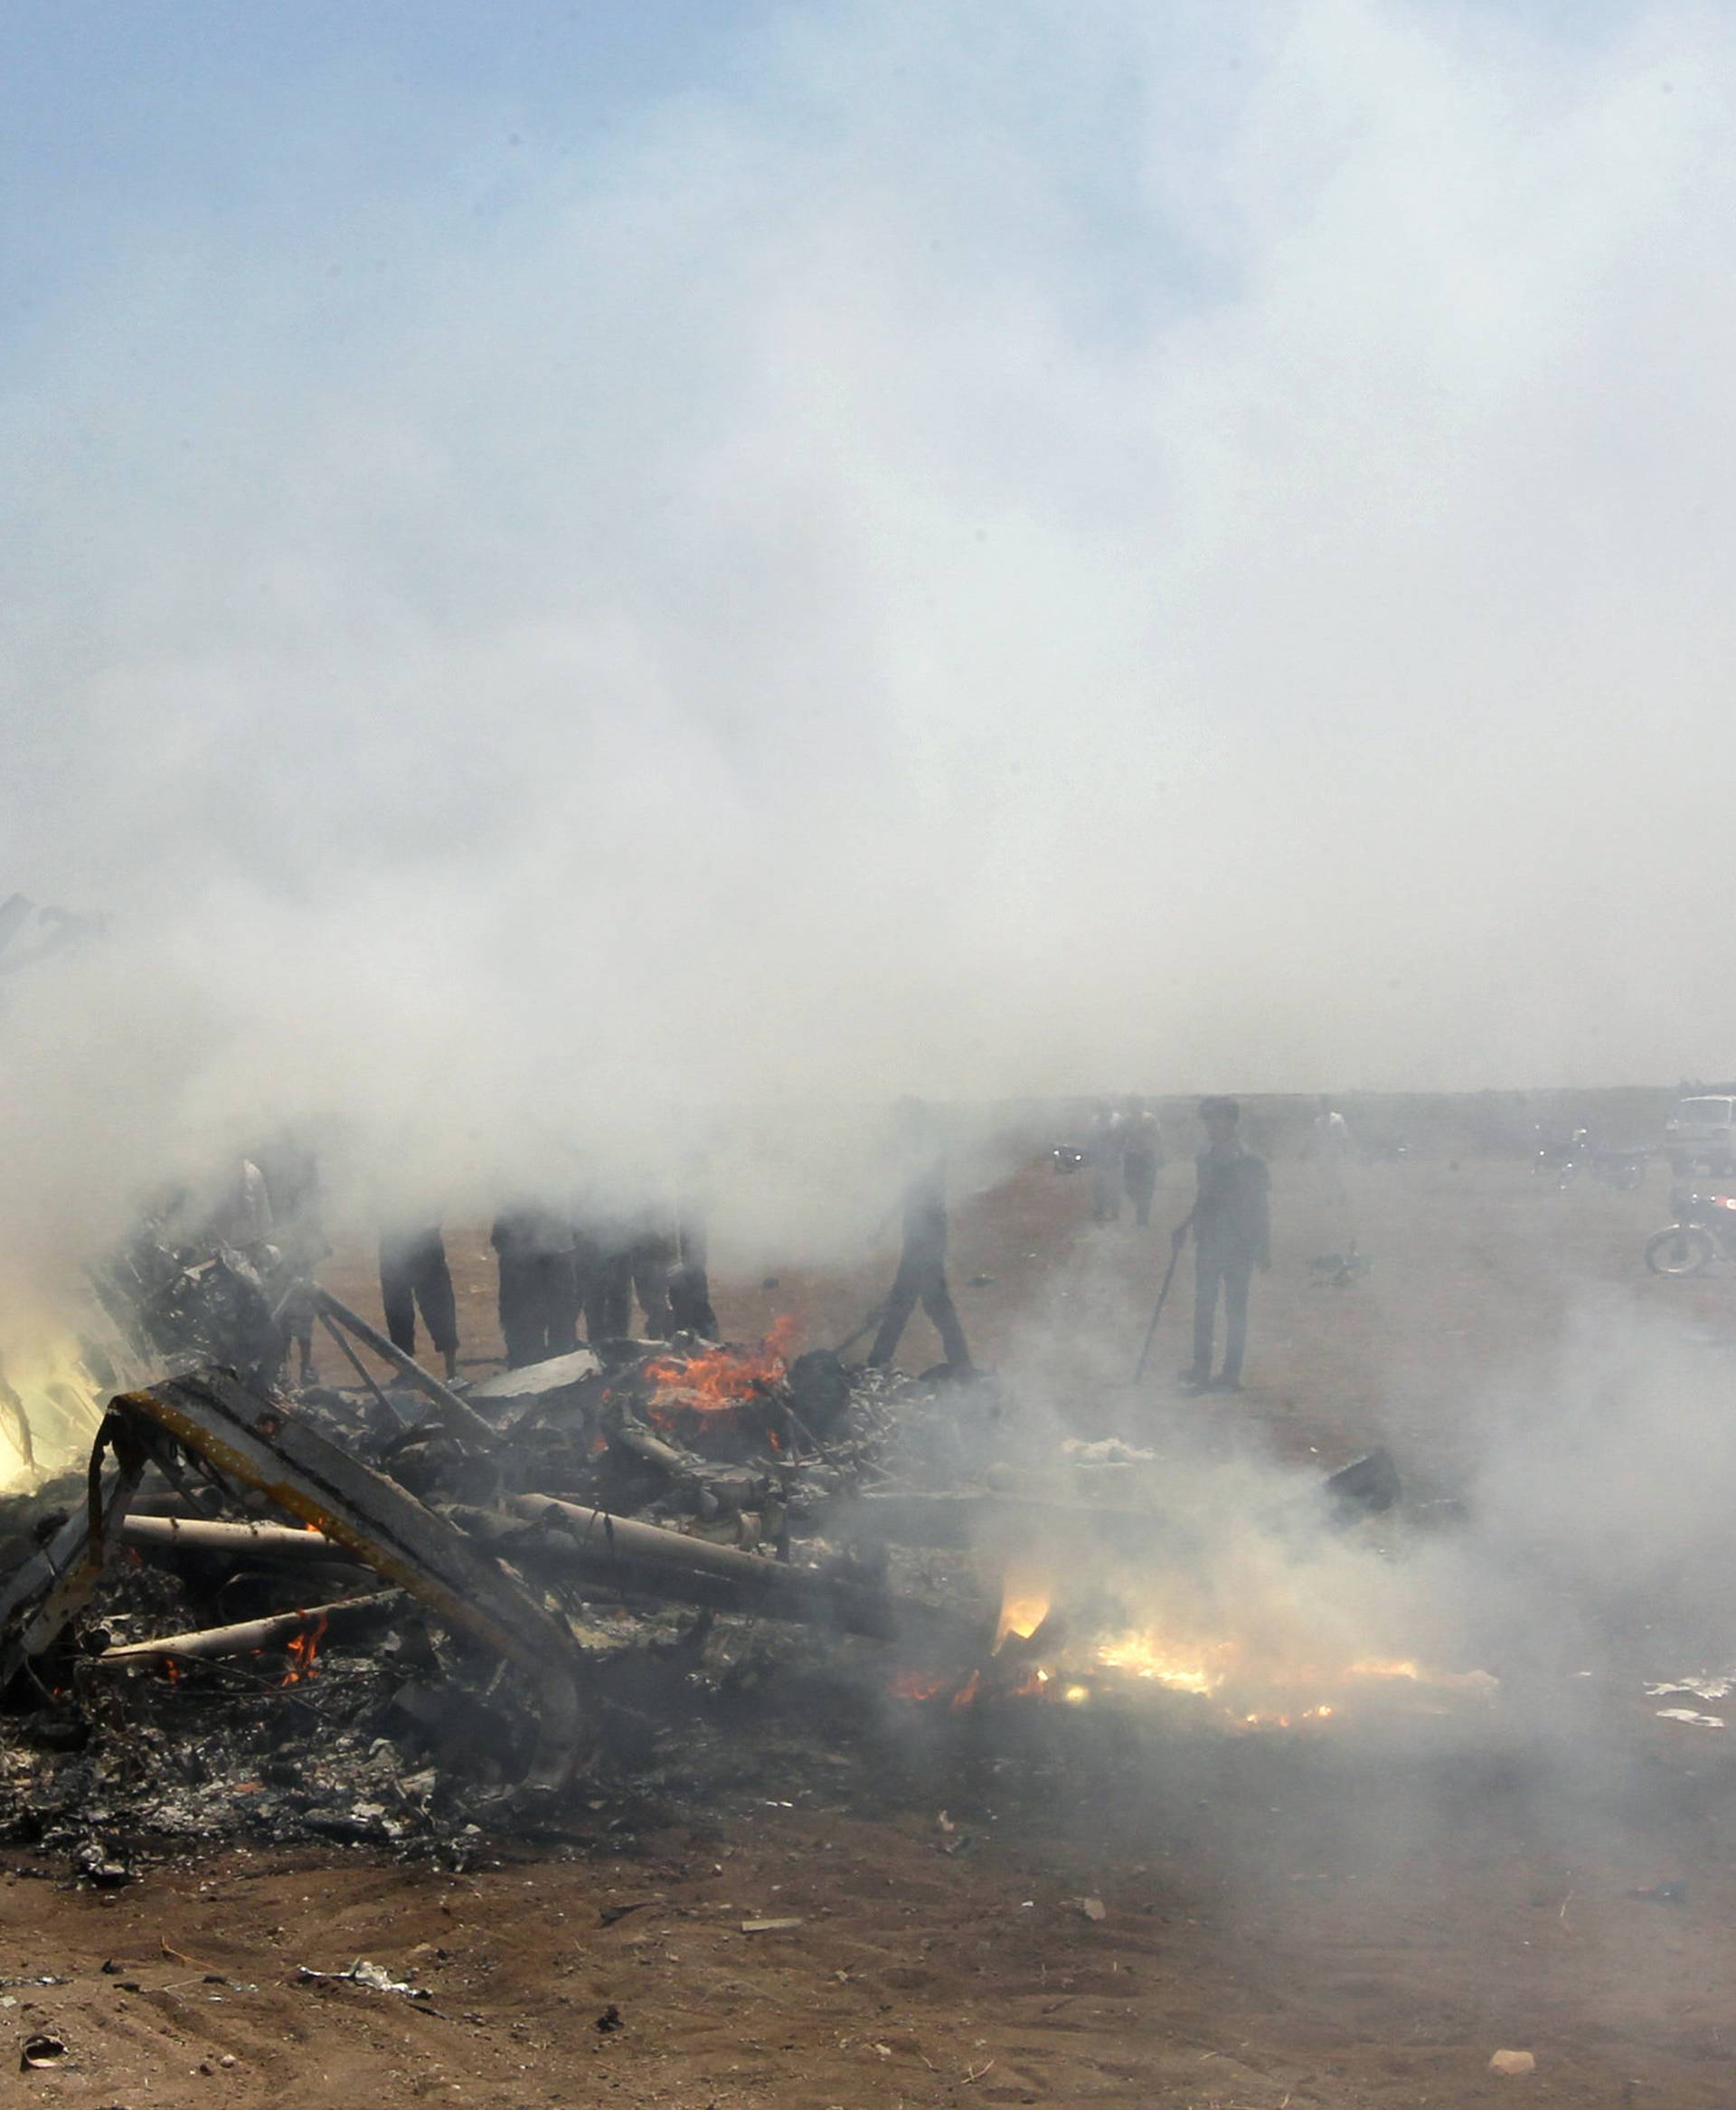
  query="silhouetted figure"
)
[
  {"x": 1103, "y": 1155},
  {"x": 414, "y": 1271},
  {"x": 650, "y": 1257},
  {"x": 603, "y": 1275},
  {"x": 690, "y": 1287},
  {"x": 1142, "y": 1156},
  {"x": 539, "y": 1290},
  {"x": 241, "y": 1217},
  {"x": 923, "y": 1266},
  {"x": 291, "y": 1176},
  {"x": 1231, "y": 1225}
]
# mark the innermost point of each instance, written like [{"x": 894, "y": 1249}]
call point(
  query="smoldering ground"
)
[{"x": 1564, "y": 1447}]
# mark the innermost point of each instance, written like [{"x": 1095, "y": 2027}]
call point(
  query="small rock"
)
[{"x": 1512, "y": 2062}]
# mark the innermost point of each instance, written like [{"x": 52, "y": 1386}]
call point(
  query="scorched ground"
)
[{"x": 1037, "y": 1905}]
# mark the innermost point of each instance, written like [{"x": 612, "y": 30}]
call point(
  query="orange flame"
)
[
  {"x": 920, "y": 1685},
  {"x": 723, "y": 1377},
  {"x": 303, "y": 1650}
]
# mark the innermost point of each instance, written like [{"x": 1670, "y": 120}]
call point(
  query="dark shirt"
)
[
  {"x": 925, "y": 1209},
  {"x": 531, "y": 1233},
  {"x": 1231, "y": 1218}
]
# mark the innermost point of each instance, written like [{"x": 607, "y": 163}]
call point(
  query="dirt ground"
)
[{"x": 1352, "y": 1923}]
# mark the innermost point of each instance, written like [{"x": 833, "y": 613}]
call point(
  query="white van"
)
[{"x": 1701, "y": 1131}]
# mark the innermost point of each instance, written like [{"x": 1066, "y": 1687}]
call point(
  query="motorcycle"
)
[
  {"x": 1704, "y": 1230},
  {"x": 1622, "y": 1169}
]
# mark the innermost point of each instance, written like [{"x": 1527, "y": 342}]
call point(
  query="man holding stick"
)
[{"x": 1231, "y": 1225}]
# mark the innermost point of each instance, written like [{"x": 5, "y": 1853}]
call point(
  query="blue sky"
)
[{"x": 120, "y": 109}]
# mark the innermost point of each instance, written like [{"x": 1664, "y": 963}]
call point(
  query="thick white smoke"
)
[{"x": 1004, "y": 548}]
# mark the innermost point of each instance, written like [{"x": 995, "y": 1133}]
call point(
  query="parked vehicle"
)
[
  {"x": 1702, "y": 1132},
  {"x": 1622, "y": 1169},
  {"x": 1704, "y": 1230},
  {"x": 1566, "y": 1162}
]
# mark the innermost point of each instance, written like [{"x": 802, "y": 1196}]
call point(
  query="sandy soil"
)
[{"x": 1348, "y": 1922}]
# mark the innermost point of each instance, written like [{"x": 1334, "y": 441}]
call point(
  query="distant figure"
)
[
  {"x": 603, "y": 1249},
  {"x": 414, "y": 1271},
  {"x": 291, "y": 1176},
  {"x": 1330, "y": 1147},
  {"x": 242, "y": 1217},
  {"x": 1103, "y": 1154},
  {"x": 922, "y": 1265},
  {"x": 690, "y": 1286},
  {"x": 621, "y": 1252},
  {"x": 1142, "y": 1156},
  {"x": 539, "y": 1290},
  {"x": 650, "y": 1256},
  {"x": 1329, "y": 1137},
  {"x": 1231, "y": 1226}
]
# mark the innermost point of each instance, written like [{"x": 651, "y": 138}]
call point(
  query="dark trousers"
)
[
  {"x": 1232, "y": 1272},
  {"x": 539, "y": 1306},
  {"x": 1140, "y": 1176},
  {"x": 690, "y": 1301},
  {"x": 920, "y": 1275},
  {"x": 650, "y": 1263},
  {"x": 604, "y": 1285},
  {"x": 412, "y": 1271}
]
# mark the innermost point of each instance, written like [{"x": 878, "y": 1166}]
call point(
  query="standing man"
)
[
  {"x": 1330, "y": 1138},
  {"x": 414, "y": 1271},
  {"x": 1103, "y": 1154},
  {"x": 603, "y": 1258},
  {"x": 690, "y": 1285},
  {"x": 1231, "y": 1221},
  {"x": 1330, "y": 1145},
  {"x": 1142, "y": 1156},
  {"x": 291, "y": 1176},
  {"x": 539, "y": 1288},
  {"x": 922, "y": 1264}
]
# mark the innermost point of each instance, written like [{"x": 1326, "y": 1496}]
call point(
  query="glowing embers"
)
[
  {"x": 1087, "y": 1654},
  {"x": 1147, "y": 1655}
]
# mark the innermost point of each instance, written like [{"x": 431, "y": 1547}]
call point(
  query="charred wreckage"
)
[{"x": 397, "y": 1612}]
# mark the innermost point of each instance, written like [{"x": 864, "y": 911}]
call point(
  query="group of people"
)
[
  {"x": 1124, "y": 1148},
  {"x": 557, "y": 1268}
]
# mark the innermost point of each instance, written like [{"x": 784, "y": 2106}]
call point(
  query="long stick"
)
[
  {"x": 1162, "y": 1299},
  {"x": 850, "y": 1341}
]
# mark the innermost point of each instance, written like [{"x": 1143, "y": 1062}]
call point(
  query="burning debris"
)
[
  {"x": 382, "y": 1587},
  {"x": 398, "y": 1612}
]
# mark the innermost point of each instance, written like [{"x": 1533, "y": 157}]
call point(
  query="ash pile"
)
[{"x": 399, "y": 1613}]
